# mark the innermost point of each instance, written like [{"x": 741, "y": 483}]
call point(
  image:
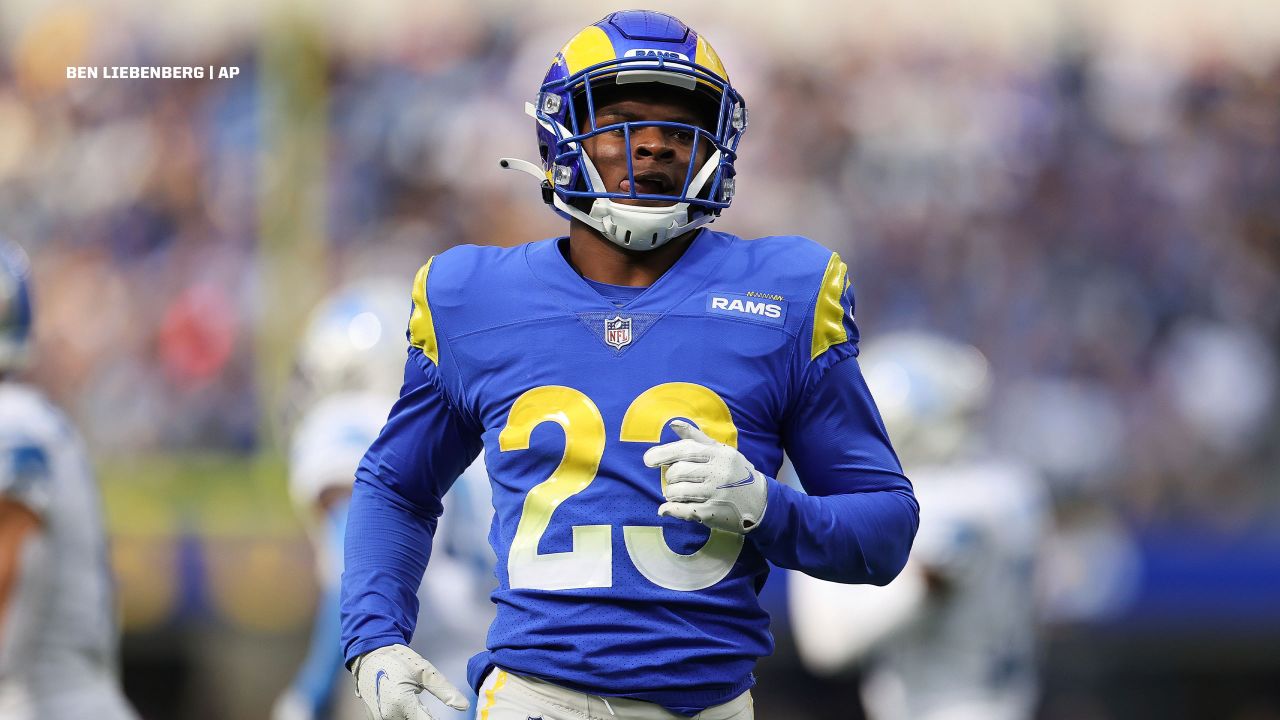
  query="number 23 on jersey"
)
[{"x": 590, "y": 563}]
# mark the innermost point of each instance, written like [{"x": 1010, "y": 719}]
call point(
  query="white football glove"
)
[
  {"x": 389, "y": 679},
  {"x": 709, "y": 481}
]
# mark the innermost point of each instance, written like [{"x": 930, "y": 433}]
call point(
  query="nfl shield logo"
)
[{"x": 617, "y": 332}]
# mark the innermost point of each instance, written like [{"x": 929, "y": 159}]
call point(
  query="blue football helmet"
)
[
  {"x": 634, "y": 46},
  {"x": 15, "y": 307}
]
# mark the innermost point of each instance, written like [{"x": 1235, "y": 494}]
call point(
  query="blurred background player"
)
[
  {"x": 953, "y": 638},
  {"x": 349, "y": 368},
  {"x": 58, "y": 636}
]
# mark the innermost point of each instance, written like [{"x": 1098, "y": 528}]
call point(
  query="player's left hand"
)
[{"x": 709, "y": 482}]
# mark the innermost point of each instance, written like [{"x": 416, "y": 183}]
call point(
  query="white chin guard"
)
[
  {"x": 634, "y": 227},
  {"x": 641, "y": 227}
]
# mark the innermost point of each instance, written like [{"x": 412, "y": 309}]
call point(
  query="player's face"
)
[{"x": 659, "y": 155}]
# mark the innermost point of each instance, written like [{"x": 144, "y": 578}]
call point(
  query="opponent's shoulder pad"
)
[
  {"x": 31, "y": 431},
  {"x": 329, "y": 441},
  {"x": 26, "y": 412}
]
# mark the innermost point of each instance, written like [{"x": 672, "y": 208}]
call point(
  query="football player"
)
[
  {"x": 349, "y": 365},
  {"x": 58, "y": 636},
  {"x": 633, "y": 386},
  {"x": 953, "y": 637}
]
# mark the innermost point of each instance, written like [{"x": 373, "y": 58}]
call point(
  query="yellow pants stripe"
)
[{"x": 489, "y": 700}]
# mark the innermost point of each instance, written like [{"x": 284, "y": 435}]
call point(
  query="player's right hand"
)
[
  {"x": 709, "y": 482},
  {"x": 389, "y": 679}
]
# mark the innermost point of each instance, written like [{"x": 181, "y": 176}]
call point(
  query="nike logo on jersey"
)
[
  {"x": 740, "y": 483},
  {"x": 773, "y": 312}
]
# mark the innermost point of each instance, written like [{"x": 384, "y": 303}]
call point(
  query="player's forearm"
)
[
  {"x": 386, "y": 551},
  {"x": 19, "y": 531},
  {"x": 851, "y": 538},
  {"x": 8, "y": 578}
]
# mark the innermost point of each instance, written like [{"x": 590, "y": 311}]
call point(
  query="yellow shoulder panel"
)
[
  {"x": 828, "y": 313},
  {"x": 422, "y": 329},
  {"x": 589, "y": 47}
]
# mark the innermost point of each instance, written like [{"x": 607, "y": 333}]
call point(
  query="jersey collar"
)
[{"x": 706, "y": 252}]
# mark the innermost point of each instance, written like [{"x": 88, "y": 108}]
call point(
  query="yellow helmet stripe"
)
[
  {"x": 589, "y": 47},
  {"x": 422, "y": 329},
  {"x": 828, "y": 312},
  {"x": 706, "y": 57}
]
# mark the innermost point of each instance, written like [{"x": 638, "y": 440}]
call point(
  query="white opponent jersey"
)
[
  {"x": 454, "y": 609},
  {"x": 324, "y": 451},
  {"x": 971, "y": 651},
  {"x": 967, "y": 652},
  {"x": 61, "y": 621},
  {"x": 454, "y": 606}
]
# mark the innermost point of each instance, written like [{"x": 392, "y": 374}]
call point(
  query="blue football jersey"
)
[{"x": 564, "y": 389}]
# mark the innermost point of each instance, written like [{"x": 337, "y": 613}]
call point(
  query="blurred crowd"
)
[
  {"x": 1105, "y": 225},
  {"x": 1100, "y": 217}
]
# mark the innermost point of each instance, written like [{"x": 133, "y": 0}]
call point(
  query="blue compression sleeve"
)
[
  {"x": 395, "y": 504},
  {"x": 858, "y": 520}
]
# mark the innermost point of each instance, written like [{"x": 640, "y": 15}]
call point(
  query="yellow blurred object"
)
[
  {"x": 17, "y": 133},
  {"x": 261, "y": 584},
  {"x": 53, "y": 42},
  {"x": 147, "y": 576}
]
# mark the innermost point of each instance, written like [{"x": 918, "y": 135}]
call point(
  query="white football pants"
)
[{"x": 507, "y": 696}]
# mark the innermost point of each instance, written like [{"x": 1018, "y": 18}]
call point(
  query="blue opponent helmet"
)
[
  {"x": 625, "y": 48},
  {"x": 15, "y": 307}
]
